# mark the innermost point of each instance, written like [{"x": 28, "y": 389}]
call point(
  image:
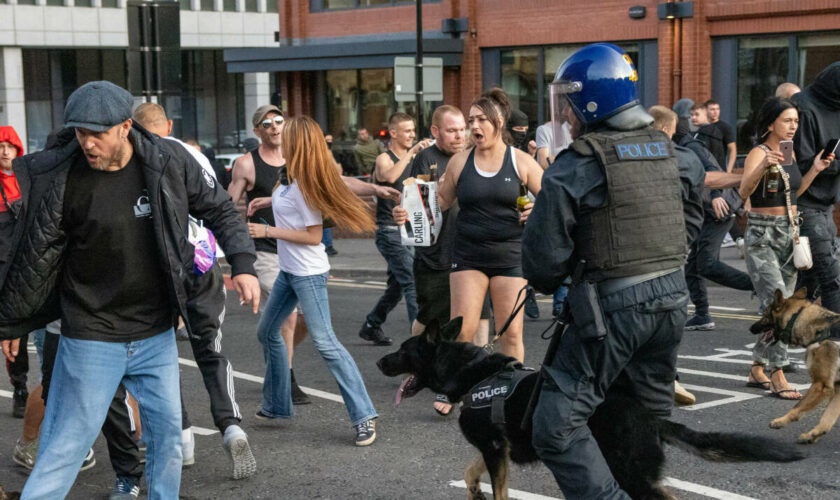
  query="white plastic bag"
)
[{"x": 422, "y": 228}]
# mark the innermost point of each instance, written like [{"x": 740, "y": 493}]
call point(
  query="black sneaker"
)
[
  {"x": 89, "y": 461},
  {"x": 298, "y": 396},
  {"x": 365, "y": 433},
  {"x": 375, "y": 335},
  {"x": 700, "y": 323},
  {"x": 19, "y": 402},
  {"x": 126, "y": 488},
  {"x": 532, "y": 310},
  {"x": 331, "y": 251}
]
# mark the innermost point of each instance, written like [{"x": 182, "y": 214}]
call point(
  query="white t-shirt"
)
[
  {"x": 199, "y": 157},
  {"x": 292, "y": 212}
]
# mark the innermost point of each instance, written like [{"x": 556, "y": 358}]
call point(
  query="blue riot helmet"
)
[{"x": 598, "y": 85}]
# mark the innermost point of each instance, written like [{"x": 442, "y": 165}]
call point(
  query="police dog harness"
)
[{"x": 494, "y": 390}]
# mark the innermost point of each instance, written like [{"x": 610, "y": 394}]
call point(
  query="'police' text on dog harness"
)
[{"x": 495, "y": 389}]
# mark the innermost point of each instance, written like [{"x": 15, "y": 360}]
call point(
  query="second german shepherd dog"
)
[
  {"x": 798, "y": 321},
  {"x": 630, "y": 437}
]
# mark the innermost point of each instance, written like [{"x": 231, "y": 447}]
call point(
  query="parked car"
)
[{"x": 227, "y": 159}]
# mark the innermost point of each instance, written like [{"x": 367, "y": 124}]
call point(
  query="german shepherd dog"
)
[
  {"x": 629, "y": 435},
  {"x": 7, "y": 495},
  {"x": 798, "y": 321}
]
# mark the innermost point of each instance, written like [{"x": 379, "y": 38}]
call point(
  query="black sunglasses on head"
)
[{"x": 266, "y": 124}]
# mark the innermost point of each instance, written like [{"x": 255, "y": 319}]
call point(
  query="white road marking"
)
[
  {"x": 522, "y": 495},
  {"x": 356, "y": 285},
  {"x": 203, "y": 431},
  {"x": 721, "y": 308},
  {"x": 734, "y": 397},
  {"x": 253, "y": 378},
  {"x": 342, "y": 280},
  {"x": 679, "y": 484},
  {"x": 703, "y": 490},
  {"x": 726, "y": 376},
  {"x": 381, "y": 283},
  {"x": 6, "y": 394}
]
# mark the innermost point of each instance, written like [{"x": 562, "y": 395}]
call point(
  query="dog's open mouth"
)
[
  {"x": 409, "y": 387},
  {"x": 767, "y": 337}
]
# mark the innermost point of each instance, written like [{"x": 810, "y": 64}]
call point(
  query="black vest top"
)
[
  {"x": 265, "y": 178},
  {"x": 767, "y": 195},
  {"x": 487, "y": 230},
  {"x": 384, "y": 208}
]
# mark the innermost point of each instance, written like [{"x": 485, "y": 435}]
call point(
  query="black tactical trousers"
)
[
  {"x": 704, "y": 262},
  {"x": 824, "y": 278},
  {"x": 645, "y": 324}
]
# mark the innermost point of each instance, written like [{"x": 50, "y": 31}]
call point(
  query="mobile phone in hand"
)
[
  {"x": 830, "y": 148},
  {"x": 786, "y": 148}
]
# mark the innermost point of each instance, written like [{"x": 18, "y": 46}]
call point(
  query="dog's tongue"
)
[
  {"x": 401, "y": 391},
  {"x": 767, "y": 337}
]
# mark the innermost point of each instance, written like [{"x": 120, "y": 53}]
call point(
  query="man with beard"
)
[{"x": 819, "y": 122}]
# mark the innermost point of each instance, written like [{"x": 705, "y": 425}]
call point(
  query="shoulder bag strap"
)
[{"x": 793, "y": 223}]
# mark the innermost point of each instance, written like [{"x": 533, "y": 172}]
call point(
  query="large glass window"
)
[
  {"x": 815, "y": 53},
  {"x": 210, "y": 108},
  {"x": 519, "y": 79},
  {"x": 762, "y": 66},
  {"x": 50, "y": 76}
]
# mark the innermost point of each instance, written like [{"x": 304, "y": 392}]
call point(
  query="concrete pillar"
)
[
  {"x": 257, "y": 93},
  {"x": 12, "y": 109}
]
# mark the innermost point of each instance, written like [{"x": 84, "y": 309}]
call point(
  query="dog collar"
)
[{"x": 787, "y": 332}]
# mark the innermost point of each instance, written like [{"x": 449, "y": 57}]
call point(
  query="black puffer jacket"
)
[{"x": 178, "y": 187}]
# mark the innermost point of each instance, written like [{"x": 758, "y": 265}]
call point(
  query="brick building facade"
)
[{"x": 734, "y": 50}]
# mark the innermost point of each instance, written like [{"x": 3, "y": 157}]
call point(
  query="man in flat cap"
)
[{"x": 102, "y": 244}]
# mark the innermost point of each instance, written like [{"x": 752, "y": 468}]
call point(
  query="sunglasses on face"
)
[{"x": 266, "y": 124}]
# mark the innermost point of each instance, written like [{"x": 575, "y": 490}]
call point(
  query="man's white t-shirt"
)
[
  {"x": 292, "y": 212},
  {"x": 199, "y": 157}
]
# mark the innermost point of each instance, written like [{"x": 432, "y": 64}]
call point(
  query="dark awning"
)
[{"x": 340, "y": 55}]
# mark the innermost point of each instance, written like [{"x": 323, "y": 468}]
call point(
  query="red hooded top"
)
[{"x": 11, "y": 190}]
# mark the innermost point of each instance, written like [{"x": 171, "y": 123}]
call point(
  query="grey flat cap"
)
[{"x": 98, "y": 106}]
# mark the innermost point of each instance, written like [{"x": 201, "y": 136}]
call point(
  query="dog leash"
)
[{"x": 517, "y": 306}]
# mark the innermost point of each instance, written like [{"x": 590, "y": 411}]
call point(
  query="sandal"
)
[
  {"x": 783, "y": 393},
  {"x": 442, "y": 405},
  {"x": 752, "y": 382}
]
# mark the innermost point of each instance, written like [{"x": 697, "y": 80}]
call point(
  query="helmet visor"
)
[{"x": 562, "y": 114}]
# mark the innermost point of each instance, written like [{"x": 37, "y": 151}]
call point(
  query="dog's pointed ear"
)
[
  {"x": 452, "y": 329},
  {"x": 802, "y": 293},
  {"x": 778, "y": 296},
  {"x": 432, "y": 332}
]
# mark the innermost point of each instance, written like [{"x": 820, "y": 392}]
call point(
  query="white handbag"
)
[{"x": 802, "y": 259}]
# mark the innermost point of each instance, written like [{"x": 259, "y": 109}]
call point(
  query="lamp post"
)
[{"x": 418, "y": 69}]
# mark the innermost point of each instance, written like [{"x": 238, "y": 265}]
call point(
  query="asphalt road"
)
[{"x": 420, "y": 455}]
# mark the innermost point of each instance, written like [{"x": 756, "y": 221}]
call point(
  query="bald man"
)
[
  {"x": 787, "y": 89},
  {"x": 205, "y": 310}
]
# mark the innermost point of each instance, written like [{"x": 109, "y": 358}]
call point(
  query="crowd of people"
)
[{"x": 114, "y": 186}]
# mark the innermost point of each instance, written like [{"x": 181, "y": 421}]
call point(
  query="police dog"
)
[
  {"x": 8, "y": 495},
  {"x": 798, "y": 321},
  {"x": 630, "y": 437}
]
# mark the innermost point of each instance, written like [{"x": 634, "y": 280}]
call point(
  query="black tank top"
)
[
  {"x": 487, "y": 230},
  {"x": 265, "y": 178},
  {"x": 384, "y": 208},
  {"x": 764, "y": 198}
]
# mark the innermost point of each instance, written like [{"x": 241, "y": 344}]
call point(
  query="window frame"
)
[{"x": 316, "y": 6}]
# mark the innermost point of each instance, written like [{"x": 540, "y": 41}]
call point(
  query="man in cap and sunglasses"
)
[{"x": 104, "y": 216}]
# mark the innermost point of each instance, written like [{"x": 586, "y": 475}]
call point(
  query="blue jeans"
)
[
  {"x": 326, "y": 237},
  {"x": 311, "y": 293},
  {"x": 400, "y": 261},
  {"x": 84, "y": 380}
]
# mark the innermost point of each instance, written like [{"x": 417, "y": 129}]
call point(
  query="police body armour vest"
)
[{"x": 641, "y": 228}]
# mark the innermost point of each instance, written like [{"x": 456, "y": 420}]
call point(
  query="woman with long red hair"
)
[{"x": 315, "y": 191}]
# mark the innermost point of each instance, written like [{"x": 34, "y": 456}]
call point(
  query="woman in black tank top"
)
[
  {"x": 485, "y": 181},
  {"x": 770, "y": 233}
]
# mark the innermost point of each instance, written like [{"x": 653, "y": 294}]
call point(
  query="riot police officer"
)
[{"x": 609, "y": 215}]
